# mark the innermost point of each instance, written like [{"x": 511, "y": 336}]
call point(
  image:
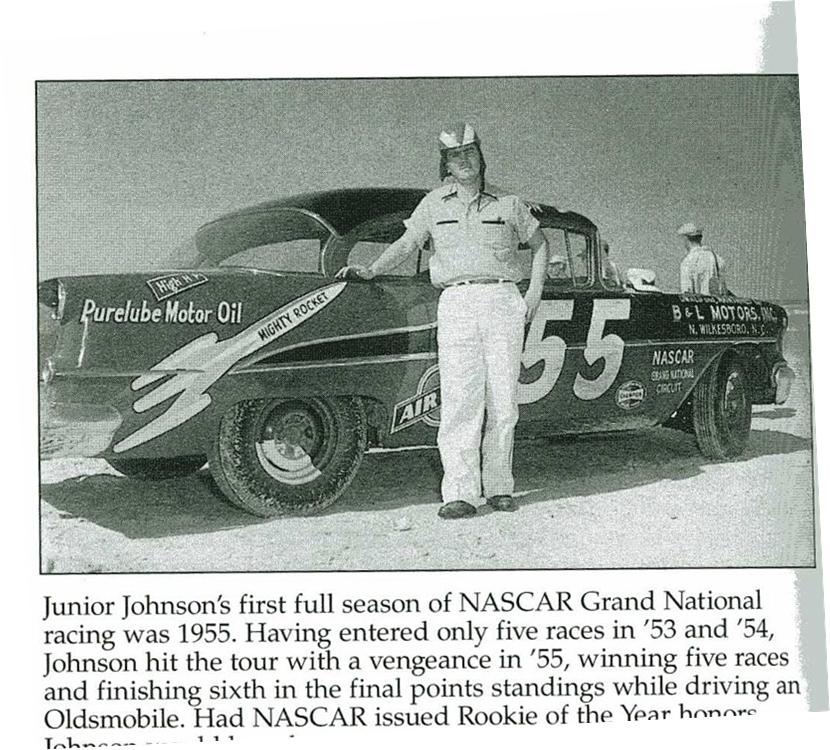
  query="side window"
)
[
  {"x": 274, "y": 239},
  {"x": 578, "y": 246},
  {"x": 369, "y": 240},
  {"x": 293, "y": 255},
  {"x": 365, "y": 253},
  {"x": 568, "y": 261},
  {"x": 559, "y": 268}
]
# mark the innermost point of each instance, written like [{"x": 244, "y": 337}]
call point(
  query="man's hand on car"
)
[{"x": 355, "y": 272}]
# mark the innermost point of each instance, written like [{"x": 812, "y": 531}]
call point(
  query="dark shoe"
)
[
  {"x": 456, "y": 509},
  {"x": 502, "y": 502}
]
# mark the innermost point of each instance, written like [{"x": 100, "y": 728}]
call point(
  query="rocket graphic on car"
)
[{"x": 200, "y": 363}]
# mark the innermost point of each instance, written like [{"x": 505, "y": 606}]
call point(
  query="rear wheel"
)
[
  {"x": 288, "y": 457},
  {"x": 722, "y": 410},
  {"x": 150, "y": 469}
]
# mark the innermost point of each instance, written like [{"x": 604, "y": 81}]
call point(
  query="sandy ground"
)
[{"x": 646, "y": 499}]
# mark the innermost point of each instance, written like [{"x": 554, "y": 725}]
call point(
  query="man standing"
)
[
  {"x": 475, "y": 231},
  {"x": 610, "y": 272},
  {"x": 701, "y": 270}
]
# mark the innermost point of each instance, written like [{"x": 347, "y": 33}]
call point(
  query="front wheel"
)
[
  {"x": 722, "y": 410},
  {"x": 288, "y": 456}
]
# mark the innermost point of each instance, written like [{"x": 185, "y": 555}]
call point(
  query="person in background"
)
[
  {"x": 476, "y": 231},
  {"x": 610, "y": 273},
  {"x": 558, "y": 267},
  {"x": 701, "y": 270}
]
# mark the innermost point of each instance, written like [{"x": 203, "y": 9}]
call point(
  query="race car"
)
[{"x": 249, "y": 355}]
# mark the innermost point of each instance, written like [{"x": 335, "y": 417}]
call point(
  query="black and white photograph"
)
[
  {"x": 423, "y": 324},
  {"x": 421, "y": 373}
]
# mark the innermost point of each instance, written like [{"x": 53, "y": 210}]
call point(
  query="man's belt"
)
[{"x": 467, "y": 282}]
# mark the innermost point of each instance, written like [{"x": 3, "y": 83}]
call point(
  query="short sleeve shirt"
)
[
  {"x": 697, "y": 269},
  {"x": 472, "y": 240}
]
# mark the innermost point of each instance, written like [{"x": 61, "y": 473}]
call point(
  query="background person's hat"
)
[
  {"x": 689, "y": 229},
  {"x": 457, "y": 135}
]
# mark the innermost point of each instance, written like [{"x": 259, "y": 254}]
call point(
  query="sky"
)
[{"x": 127, "y": 171}]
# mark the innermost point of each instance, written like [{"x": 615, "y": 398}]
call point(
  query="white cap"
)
[
  {"x": 689, "y": 229},
  {"x": 457, "y": 135}
]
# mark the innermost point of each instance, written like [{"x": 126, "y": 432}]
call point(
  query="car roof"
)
[{"x": 347, "y": 208}]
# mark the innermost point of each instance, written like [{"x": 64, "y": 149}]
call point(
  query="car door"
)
[{"x": 580, "y": 371}]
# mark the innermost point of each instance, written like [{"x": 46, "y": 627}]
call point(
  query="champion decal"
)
[
  {"x": 201, "y": 362},
  {"x": 630, "y": 395}
]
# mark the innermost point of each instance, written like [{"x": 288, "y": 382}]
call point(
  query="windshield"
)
[{"x": 274, "y": 239}]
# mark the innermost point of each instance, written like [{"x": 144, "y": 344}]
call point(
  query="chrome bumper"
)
[{"x": 782, "y": 378}]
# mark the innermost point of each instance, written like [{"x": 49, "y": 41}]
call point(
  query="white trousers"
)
[{"x": 480, "y": 338}]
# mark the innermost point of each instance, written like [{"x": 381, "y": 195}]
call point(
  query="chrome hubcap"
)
[{"x": 291, "y": 438}]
